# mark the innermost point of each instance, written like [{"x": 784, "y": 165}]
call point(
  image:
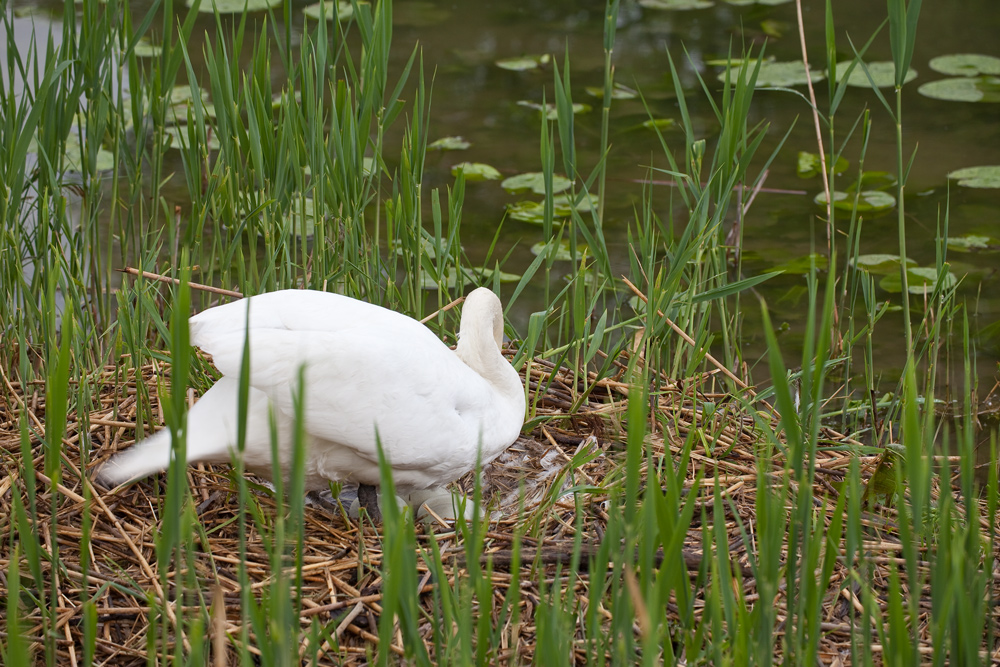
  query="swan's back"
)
[{"x": 368, "y": 371}]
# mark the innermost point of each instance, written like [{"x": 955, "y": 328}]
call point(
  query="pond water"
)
[{"x": 474, "y": 98}]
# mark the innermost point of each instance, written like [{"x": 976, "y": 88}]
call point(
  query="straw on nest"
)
[{"x": 341, "y": 558}]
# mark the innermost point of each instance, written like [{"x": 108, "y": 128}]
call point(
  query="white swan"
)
[{"x": 368, "y": 371}]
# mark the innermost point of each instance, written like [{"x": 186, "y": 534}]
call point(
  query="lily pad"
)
[
  {"x": 973, "y": 243},
  {"x": 677, "y": 5},
  {"x": 919, "y": 280},
  {"x": 879, "y": 263},
  {"x": 524, "y": 63},
  {"x": 659, "y": 123},
  {"x": 344, "y": 11},
  {"x": 527, "y": 211},
  {"x": 804, "y": 265},
  {"x": 534, "y": 181},
  {"x": 301, "y": 214},
  {"x": 146, "y": 49},
  {"x": 873, "y": 180},
  {"x": 809, "y": 165},
  {"x": 966, "y": 64},
  {"x": 551, "y": 113},
  {"x": 963, "y": 89},
  {"x": 449, "y": 279},
  {"x": 476, "y": 171},
  {"x": 418, "y": 14},
  {"x": 777, "y": 75},
  {"x": 559, "y": 252},
  {"x": 883, "y": 73},
  {"x": 740, "y": 3},
  {"x": 487, "y": 273},
  {"x": 773, "y": 28},
  {"x": 869, "y": 201},
  {"x": 74, "y": 156},
  {"x": 618, "y": 92},
  {"x": 426, "y": 247},
  {"x": 179, "y": 137},
  {"x": 564, "y": 204},
  {"x": 234, "y": 6},
  {"x": 986, "y": 176},
  {"x": 449, "y": 144}
]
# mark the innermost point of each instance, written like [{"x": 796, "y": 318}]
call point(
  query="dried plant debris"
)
[{"x": 546, "y": 493}]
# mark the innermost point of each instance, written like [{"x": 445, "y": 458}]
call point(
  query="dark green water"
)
[
  {"x": 476, "y": 99},
  {"x": 472, "y": 97}
]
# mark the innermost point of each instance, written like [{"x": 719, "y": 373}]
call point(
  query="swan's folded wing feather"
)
[{"x": 425, "y": 403}]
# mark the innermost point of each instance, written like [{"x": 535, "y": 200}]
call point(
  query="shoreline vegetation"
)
[{"x": 664, "y": 504}]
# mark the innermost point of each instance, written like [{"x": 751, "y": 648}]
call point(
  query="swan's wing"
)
[
  {"x": 425, "y": 404},
  {"x": 211, "y": 435},
  {"x": 221, "y": 327},
  {"x": 367, "y": 368}
]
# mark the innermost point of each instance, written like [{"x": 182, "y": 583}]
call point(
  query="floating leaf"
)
[
  {"x": 487, "y": 273},
  {"x": 809, "y": 165},
  {"x": 777, "y": 74},
  {"x": 477, "y": 274},
  {"x": 524, "y": 63},
  {"x": 873, "y": 180},
  {"x": 301, "y": 217},
  {"x": 527, "y": 211},
  {"x": 146, "y": 49},
  {"x": 966, "y": 64},
  {"x": 74, "y": 156},
  {"x": 919, "y": 280},
  {"x": 551, "y": 113},
  {"x": 559, "y": 252},
  {"x": 563, "y": 205},
  {"x": 735, "y": 63},
  {"x": 534, "y": 181},
  {"x": 418, "y": 14},
  {"x": 742, "y": 3},
  {"x": 234, "y": 6},
  {"x": 476, "y": 171},
  {"x": 883, "y": 73},
  {"x": 879, "y": 263},
  {"x": 773, "y": 28},
  {"x": 986, "y": 176},
  {"x": 678, "y": 5},
  {"x": 659, "y": 123},
  {"x": 973, "y": 243},
  {"x": 449, "y": 144},
  {"x": 178, "y": 135},
  {"x": 344, "y": 10},
  {"x": 182, "y": 94},
  {"x": 963, "y": 89},
  {"x": 869, "y": 201},
  {"x": 449, "y": 279},
  {"x": 618, "y": 92},
  {"x": 804, "y": 265},
  {"x": 426, "y": 247}
]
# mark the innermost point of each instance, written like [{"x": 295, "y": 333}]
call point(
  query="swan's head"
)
[{"x": 482, "y": 315}]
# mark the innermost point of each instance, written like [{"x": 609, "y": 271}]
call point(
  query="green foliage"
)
[{"x": 317, "y": 180}]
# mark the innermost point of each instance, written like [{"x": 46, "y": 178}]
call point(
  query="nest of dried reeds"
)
[{"x": 342, "y": 557}]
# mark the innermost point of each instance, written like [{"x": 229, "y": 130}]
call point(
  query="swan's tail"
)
[
  {"x": 211, "y": 432},
  {"x": 151, "y": 455}
]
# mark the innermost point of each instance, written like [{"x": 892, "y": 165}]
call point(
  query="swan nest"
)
[{"x": 525, "y": 488}]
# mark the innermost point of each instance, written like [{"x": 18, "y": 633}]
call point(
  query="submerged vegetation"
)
[{"x": 662, "y": 504}]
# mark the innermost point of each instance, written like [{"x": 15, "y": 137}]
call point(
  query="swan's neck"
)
[{"x": 479, "y": 342}]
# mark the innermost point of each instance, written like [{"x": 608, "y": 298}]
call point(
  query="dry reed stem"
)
[{"x": 341, "y": 581}]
